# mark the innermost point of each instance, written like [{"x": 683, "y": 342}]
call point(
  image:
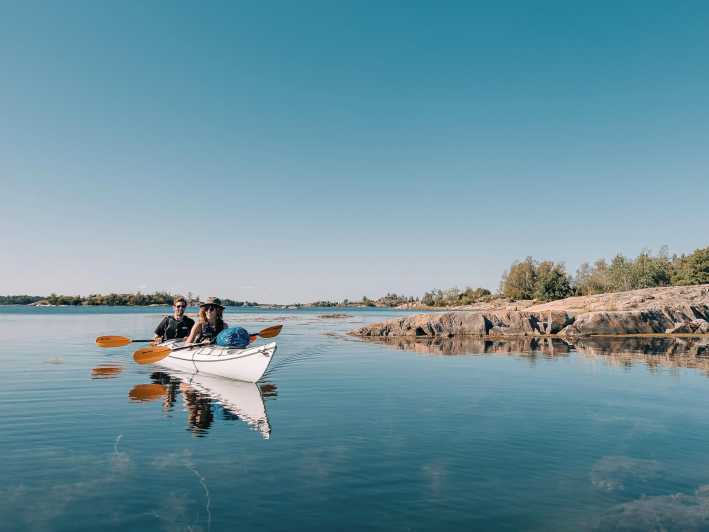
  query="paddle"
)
[
  {"x": 149, "y": 355},
  {"x": 116, "y": 341},
  {"x": 147, "y": 392},
  {"x": 105, "y": 372}
]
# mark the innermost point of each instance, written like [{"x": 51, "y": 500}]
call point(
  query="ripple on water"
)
[{"x": 518, "y": 436}]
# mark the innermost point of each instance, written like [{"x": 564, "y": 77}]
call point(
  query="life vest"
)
[
  {"x": 177, "y": 329},
  {"x": 170, "y": 328},
  {"x": 209, "y": 332}
]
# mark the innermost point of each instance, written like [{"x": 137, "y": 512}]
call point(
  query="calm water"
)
[{"x": 346, "y": 435}]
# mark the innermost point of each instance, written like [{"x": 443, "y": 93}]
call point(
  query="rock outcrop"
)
[
  {"x": 446, "y": 324},
  {"x": 671, "y": 310},
  {"x": 669, "y": 320}
]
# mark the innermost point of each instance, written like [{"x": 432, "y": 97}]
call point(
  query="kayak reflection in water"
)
[
  {"x": 200, "y": 413},
  {"x": 172, "y": 384},
  {"x": 204, "y": 396}
]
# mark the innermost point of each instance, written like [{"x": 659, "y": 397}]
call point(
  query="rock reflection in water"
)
[
  {"x": 205, "y": 397},
  {"x": 651, "y": 351},
  {"x": 474, "y": 345}
]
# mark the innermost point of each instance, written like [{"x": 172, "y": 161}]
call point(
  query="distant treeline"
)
[
  {"x": 453, "y": 296},
  {"x": 232, "y": 303},
  {"x": 525, "y": 279},
  {"x": 389, "y": 300},
  {"x": 137, "y": 299},
  {"x": 547, "y": 280},
  {"x": 19, "y": 300}
]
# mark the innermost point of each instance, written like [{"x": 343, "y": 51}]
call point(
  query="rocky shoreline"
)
[{"x": 667, "y": 310}]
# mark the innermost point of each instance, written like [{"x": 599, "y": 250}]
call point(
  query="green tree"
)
[
  {"x": 367, "y": 302},
  {"x": 592, "y": 279},
  {"x": 474, "y": 295},
  {"x": 620, "y": 274},
  {"x": 519, "y": 282},
  {"x": 552, "y": 282},
  {"x": 692, "y": 269},
  {"x": 649, "y": 271}
]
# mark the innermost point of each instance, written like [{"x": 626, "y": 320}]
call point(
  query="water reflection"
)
[
  {"x": 205, "y": 397},
  {"x": 106, "y": 371},
  {"x": 147, "y": 392},
  {"x": 685, "y": 352},
  {"x": 653, "y": 352},
  {"x": 473, "y": 345}
]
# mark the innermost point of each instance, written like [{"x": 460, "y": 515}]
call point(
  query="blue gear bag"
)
[{"x": 233, "y": 337}]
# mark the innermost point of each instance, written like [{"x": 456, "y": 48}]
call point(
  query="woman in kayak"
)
[{"x": 210, "y": 322}]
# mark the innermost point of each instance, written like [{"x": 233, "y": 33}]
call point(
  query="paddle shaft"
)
[
  {"x": 188, "y": 346},
  {"x": 159, "y": 348}
]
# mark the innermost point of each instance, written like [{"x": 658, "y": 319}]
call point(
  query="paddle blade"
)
[
  {"x": 112, "y": 341},
  {"x": 149, "y": 355},
  {"x": 105, "y": 372},
  {"x": 147, "y": 392},
  {"x": 270, "y": 332}
]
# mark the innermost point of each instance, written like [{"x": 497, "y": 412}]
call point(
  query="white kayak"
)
[{"x": 241, "y": 364}]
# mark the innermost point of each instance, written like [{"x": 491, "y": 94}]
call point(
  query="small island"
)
[
  {"x": 664, "y": 310},
  {"x": 650, "y": 294}
]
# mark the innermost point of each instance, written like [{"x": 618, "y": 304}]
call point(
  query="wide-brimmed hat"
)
[{"x": 215, "y": 301}]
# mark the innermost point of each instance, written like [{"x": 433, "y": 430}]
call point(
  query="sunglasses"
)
[
  {"x": 180, "y": 306},
  {"x": 209, "y": 307}
]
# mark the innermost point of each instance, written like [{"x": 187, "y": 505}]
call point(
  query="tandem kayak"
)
[{"x": 247, "y": 364}]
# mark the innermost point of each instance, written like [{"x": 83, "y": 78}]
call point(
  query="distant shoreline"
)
[{"x": 226, "y": 307}]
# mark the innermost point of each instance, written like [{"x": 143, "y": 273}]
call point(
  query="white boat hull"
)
[
  {"x": 240, "y": 364},
  {"x": 243, "y": 399}
]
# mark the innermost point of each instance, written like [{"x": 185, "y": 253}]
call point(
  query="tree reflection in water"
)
[{"x": 652, "y": 351}]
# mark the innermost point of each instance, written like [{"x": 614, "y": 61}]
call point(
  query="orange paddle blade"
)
[
  {"x": 148, "y": 355},
  {"x": 105, "y": 372},
  {"x": 112, "y": 341},
  {"x": 270, "y": 332},
  {"x": 147, "y": 392}
]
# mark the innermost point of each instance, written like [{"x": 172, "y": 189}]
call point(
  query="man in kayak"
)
[{"x": 176, "y": 326}]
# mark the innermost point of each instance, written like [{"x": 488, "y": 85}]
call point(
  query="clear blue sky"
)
[{"x": 292, "y": 151}]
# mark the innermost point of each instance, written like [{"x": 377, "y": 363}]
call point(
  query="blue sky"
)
[{"x": 291, "y": 151}]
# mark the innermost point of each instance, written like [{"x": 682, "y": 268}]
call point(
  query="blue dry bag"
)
[{"x": 233, "y": 337}]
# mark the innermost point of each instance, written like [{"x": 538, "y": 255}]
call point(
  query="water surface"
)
[{"x": 345, "y": 434}]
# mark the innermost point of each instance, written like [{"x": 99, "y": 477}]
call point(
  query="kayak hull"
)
[
  {"x": 247, "y": 365},
  {"x": 243, "y": 399}
]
